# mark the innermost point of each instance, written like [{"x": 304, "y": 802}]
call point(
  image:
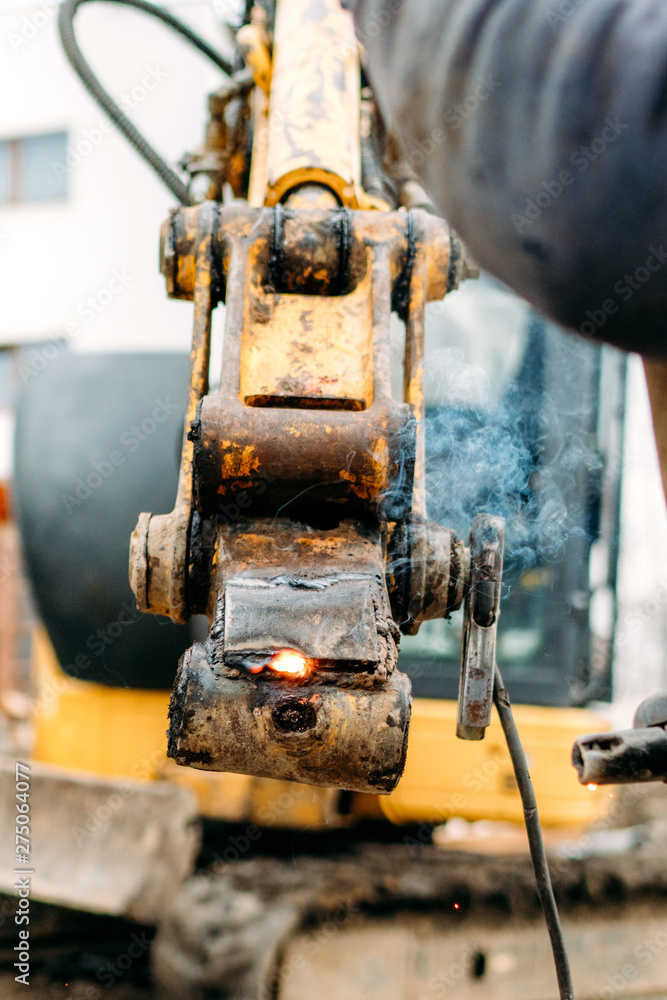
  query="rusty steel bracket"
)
[
  {"x": 480, "y": 625},
  {"x": 300, "y": 525},
  {"x": 159, "y": 548}
]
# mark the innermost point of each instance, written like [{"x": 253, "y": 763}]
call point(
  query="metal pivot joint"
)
[
  {"x": 480, "y": 625},
  {"x": 300, "y": 525}
]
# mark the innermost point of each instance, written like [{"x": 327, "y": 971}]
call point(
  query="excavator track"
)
[
  {"x": 374, "y": 920},
  {"x": 379, "y": 921}
]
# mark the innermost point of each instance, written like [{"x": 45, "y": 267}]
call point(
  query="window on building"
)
[{"x": 31, "y": 168}]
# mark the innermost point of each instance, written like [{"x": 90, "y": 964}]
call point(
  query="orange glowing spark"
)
[
  {"x": 592, "y": 788},
  {"x": 456, "y": 906},
  {"x": 289, "y": 662}
]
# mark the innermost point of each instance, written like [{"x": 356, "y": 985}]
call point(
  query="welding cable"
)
[
  {"x": 80, "y": 65},
  {"x": 534, "y": 831}
]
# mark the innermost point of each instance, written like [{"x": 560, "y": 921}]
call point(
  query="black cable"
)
[
  {"x": 533, "y": 829},
  {"x": 68, "y": 38}
]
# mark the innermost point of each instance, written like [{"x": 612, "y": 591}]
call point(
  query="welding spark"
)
[
  {"x": 592, "y": 788},
  {"x": 289, "y": 662}
]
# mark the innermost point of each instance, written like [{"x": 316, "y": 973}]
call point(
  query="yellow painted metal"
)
[
  {"x": 446, "y": 777},
  {"x": 290, "y": 805},
  {"x": 315, "y": 86},
  {"x": 278, "y": 359},
  {"x": 260, "y": 143},
  {"x": 87, "y": 727},
  {"x": 90, "y": 727}
]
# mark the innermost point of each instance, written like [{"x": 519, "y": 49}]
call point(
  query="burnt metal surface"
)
[
  {"x": 326, "y": 359},
  {"x": 223, "y": 157},
  {"x": 341, "y": 621},
  {"x": 315, "y": 85},
  {"x": 159, "y": 548},
  {"x": 316, "y": 733},
  {"x": 427, "y": 568},
  {"x": 327, "y": 619},
  {"x": 343, "y": 721},
  {"x": 367, "y": 461}
]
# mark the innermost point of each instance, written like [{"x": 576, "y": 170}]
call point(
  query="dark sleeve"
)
[{"x": 539, "y": 129}]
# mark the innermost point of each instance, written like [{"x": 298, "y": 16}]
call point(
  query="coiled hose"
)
[{"x": 81, "y": 66}]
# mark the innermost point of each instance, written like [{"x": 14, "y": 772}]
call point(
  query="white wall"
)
[
  {"x": 640, "y": 665},
  {"x": 54, "y": 256}
]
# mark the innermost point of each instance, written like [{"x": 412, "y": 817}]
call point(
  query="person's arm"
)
[{"x": 539, "y": 128}]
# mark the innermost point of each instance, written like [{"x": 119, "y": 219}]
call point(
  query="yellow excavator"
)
[{"x": 333, "y": 459}]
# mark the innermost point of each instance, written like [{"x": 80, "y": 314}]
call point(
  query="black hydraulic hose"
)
[
  {"x": 66, "y": 27},
  {"x": 532, "y": 819}
]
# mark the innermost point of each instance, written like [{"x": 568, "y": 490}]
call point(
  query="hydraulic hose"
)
[
  {"x": 534, "y": 831},
  {"x": 81, "y": 66}
]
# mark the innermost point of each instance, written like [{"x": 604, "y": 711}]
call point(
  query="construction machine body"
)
[{"x": 303, "y": 530}]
